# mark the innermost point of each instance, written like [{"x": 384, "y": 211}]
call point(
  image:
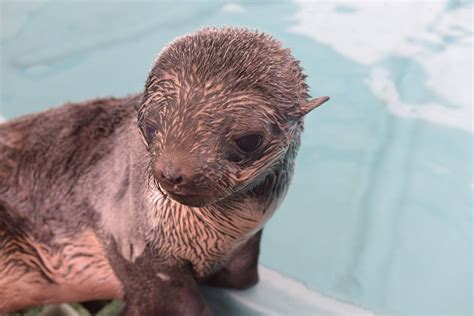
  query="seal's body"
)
[{"x": 92, "y": 207}]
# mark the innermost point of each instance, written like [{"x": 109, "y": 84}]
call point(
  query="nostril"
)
[
  {"x": 175, "y": 179},
  {"x": 172, "y": 175}
]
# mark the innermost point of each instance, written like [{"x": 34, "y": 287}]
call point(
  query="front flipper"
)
[
  {"x": 154, "y": 288},
  {"x": 241, "y": 271}
]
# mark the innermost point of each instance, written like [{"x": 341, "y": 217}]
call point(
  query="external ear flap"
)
[{"x": 307, "y": 107}]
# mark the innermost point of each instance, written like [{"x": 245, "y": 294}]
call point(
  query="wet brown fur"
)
[{"x": 84, "y": 211}]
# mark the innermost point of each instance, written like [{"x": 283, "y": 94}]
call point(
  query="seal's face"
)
[
  {"x": 219, "y": 111},
  {"x": 205, "y": 150}
]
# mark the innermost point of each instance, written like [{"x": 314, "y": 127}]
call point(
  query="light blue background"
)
[{"x": 380, "y": 211}]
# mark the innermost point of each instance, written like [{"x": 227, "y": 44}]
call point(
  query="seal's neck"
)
[{"x": 205, "y": 236}]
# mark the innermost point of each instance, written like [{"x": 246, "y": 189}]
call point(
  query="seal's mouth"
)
[
  {"x": 186, "y": 198},
  {"x": 189, "y": 199},
  {"x": 180, "y": 195}
]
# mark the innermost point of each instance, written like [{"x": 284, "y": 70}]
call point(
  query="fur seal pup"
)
[{"x": 92, "y": 207}]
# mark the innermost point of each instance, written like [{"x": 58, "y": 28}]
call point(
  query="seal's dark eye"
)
[
  {"x": 249, "y": 143},
  {"x": 149, "y": 132}
]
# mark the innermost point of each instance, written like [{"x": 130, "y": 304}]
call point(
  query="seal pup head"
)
[{"x": 220, "y": 109}]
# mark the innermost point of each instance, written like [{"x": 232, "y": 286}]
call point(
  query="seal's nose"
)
[{"x": 171, "y": 174}]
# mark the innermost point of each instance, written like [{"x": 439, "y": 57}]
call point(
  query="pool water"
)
[{"x": 380, "y": 212}]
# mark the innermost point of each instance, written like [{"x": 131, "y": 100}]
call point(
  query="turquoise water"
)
[{"x": 380, "y": 212}]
